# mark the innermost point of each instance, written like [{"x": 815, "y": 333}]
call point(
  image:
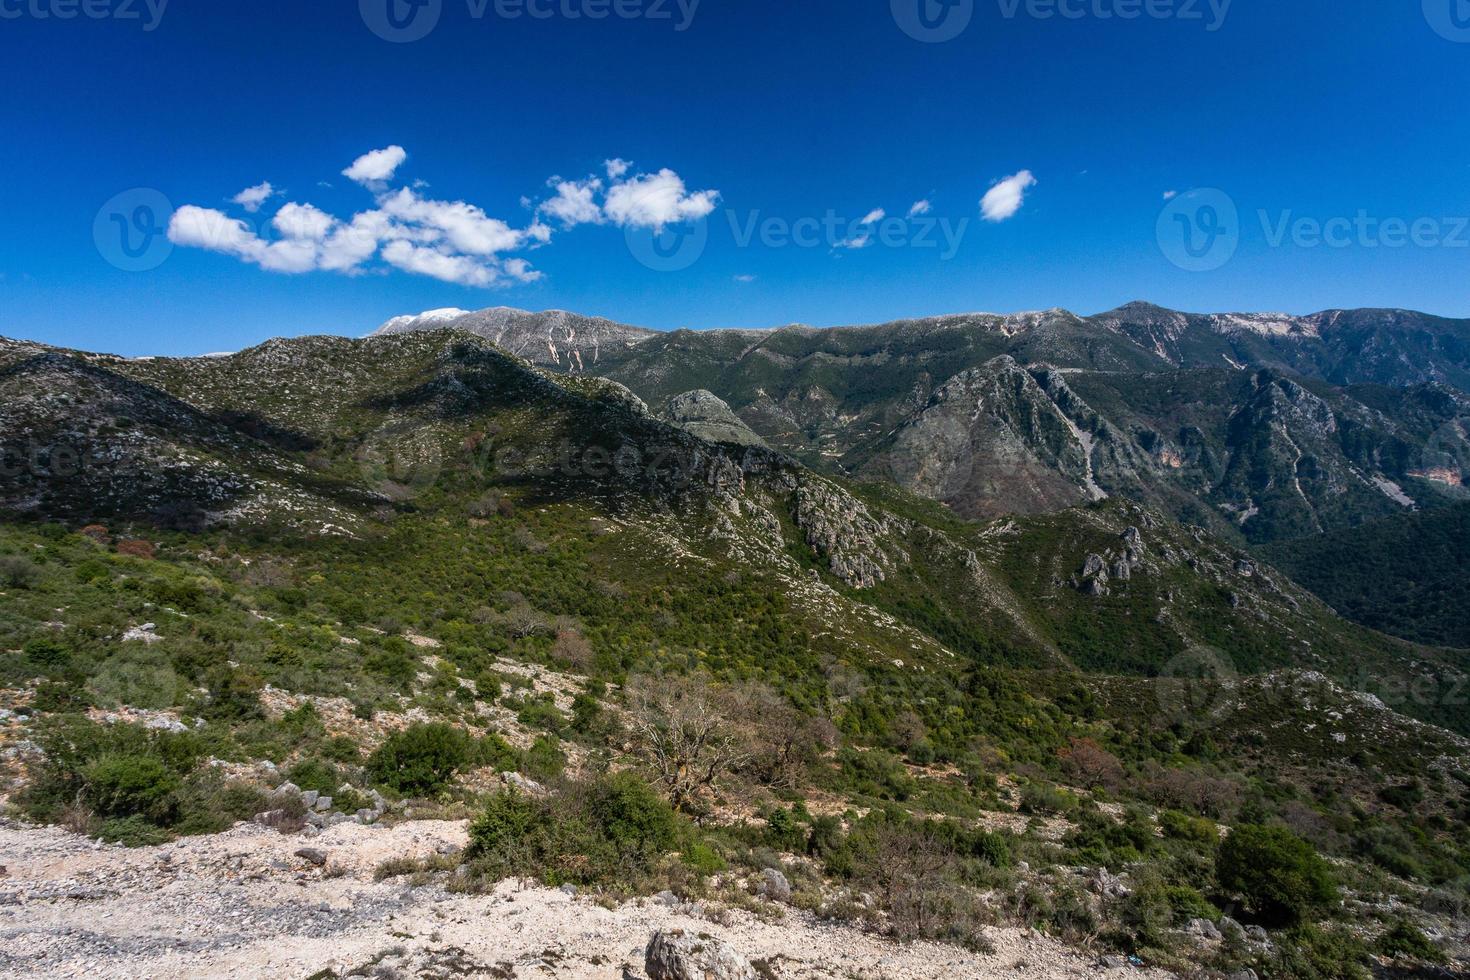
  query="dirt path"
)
[{"x": 241, "y": 904}]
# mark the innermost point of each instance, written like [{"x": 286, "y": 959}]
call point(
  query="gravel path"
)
[{"x": 241, "y": 904}]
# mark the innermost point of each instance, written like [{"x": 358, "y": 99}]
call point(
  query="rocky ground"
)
[{"x": 246, "y": 904}]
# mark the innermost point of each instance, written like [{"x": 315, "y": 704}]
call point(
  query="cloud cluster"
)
[
  {"x": 453, "y": 241},
  {"x": 640, "y": 201}
]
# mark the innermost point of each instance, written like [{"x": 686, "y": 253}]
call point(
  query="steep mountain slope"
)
[
  {"x": 1215, "y": 418},
  {"x": 1342, "y": 347},
  {"x": 1404, "y": 574},
  {"x": 555, "y": 339},
  {"x": 427, "y": 425}
]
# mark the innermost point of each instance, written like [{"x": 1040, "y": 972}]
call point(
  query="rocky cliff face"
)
[
  {"x": 707, "y": 416},
  {"x": 1261, "y": 426}
]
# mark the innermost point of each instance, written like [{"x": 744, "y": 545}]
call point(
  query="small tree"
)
[
  {"x": 1091, "y": 764},
  {"x": 781, "y": 743},
  {"x": 420, "y": 759},
  {"x": 679, "y": 729},
  {"x": 1279, "y": 875}
]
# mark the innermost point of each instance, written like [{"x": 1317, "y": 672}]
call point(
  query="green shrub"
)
[
  {"x": 130, "y": 786},
  {"x": 1405, "y": 940},
  {"x": 17, "y": 572},
  {"x": 1279, "y": 875},
  {"x": 586, "y": 713},
  {"x": 233, "y": 696},
  {"x": 92, "y": 570},
  {"x": 494, "y": 752},
  {"x": 316, "y": 774},
  {"x": 632, "y": 815},
  {"x": 421, "y": 759},
  {"x": 1046, "y": 798},
  {"x": 132, "y": 832},
  {"x": 47, "y": 653},
  {"x": 703, "y": 859},
  {"x": 1177, "y": 825},
  {"x": 542, "y": 713},
  {"x": 545, "y": 760},
  {"x": 875, "y": 773},
  {"x": 1186, "y": 902},
  {"x": 1309, "y": 953},
  {"x": 784, "y": 832},
  {"x": 612, "y": 832}
]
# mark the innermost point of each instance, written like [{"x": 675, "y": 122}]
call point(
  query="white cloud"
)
[
  {"x": 1005, "y": 199},
  {"x": 251, "y": 198},
  {"x": 213, "y": 230},
  {"x": 195, "y": 227},
  {"x": 575, "y": 202},
  {"x": 453, "y": 241},
  {"x": 1170, "y": 195},
  {"x": 745, "y": 279},
  {"x": 431, "y": 262},
  {"x": 857, "y": 241},
  {"x": 303, "y": 221},
  {"x": 874, "y": 216},
  {"x": 521, "y": 271},
  {"x": 352, "y": 244},
  {"x": 920, "y": 207},
  {"x": 656, "y": 200},
  {"x": 377, "y": 166},
  {"x": 464, "y": 227}
]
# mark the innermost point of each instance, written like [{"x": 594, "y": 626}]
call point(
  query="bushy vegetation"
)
[
  {"x": 1280, "y": 876},
  {"x": 614, "y": 832},
  {"x": 125, "y": 783},
  {"x": 422, "y": 759},
  {"x": 705, "y": 687}
]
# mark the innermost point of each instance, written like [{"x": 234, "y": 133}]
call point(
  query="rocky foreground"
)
[{"x": 256, "y": 903}]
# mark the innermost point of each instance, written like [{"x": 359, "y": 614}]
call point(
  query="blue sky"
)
[{"x": 758, "y": 118}]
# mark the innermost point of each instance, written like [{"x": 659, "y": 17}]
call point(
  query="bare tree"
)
[
  {"x": 909, "y": 870},
  {"x": 782, "y": 742},
  {"x": 681, "y": 727},
  {"x": 1091, "y": 764}
]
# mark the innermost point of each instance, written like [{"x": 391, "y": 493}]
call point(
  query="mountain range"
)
[
  {"x": 331, "y": 439},
  {"x": 1265, "y": 429}
]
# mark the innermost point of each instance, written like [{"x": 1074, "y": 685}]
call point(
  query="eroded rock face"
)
[
  {"x": 677, "y": 955},
  {"x": 706, "y": 415},
  {"x": 844, "y": 532}
]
